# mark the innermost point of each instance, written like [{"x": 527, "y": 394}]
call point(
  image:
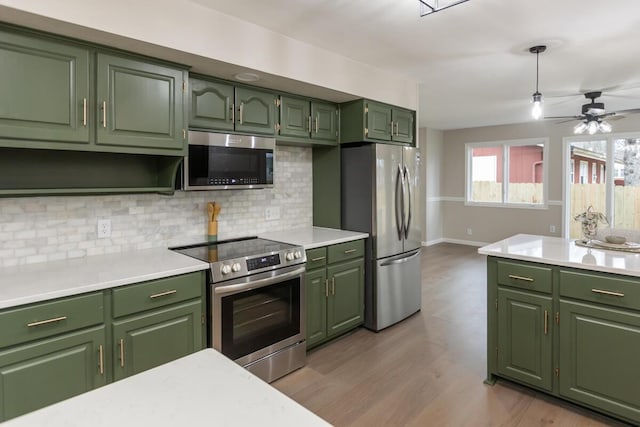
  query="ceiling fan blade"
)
[{"x": 629, "y": 111}]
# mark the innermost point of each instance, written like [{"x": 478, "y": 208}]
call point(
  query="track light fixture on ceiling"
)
[
  {"x": 427, "y": 7},
  {"x": 536, "y": 99}
]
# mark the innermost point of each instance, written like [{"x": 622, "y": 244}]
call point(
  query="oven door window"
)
[{"x": 256, "y": 319}]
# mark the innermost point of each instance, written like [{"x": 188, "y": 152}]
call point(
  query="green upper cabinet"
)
[
  {"x": 210, "y": 105},
  {"x": 371, "y": 121},
  {"x": 255, "y": 111},
  {"x": 140, "y": 104},
  {"x": 44, "y": 90},
  {"x": 302, "y": 120}
]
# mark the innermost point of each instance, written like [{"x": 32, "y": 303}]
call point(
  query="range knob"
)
[
  {"x": 289, "y": 256},
  {"x": 236, "y": 267},
  {"x": 225, "y": 269},
  {"x": 297, "y": 255}
]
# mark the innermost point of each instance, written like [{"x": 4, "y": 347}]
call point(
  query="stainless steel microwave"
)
[{"x": 217, "y": 161}]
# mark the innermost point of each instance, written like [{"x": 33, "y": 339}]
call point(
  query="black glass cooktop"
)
[{"x": 231, "y": 249}]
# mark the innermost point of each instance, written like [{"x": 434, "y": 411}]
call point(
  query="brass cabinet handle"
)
[
  {"x": 349, "y": 251},
  {"x": 104, "y": 114},
  {"x": 613, "y": 294},
  {"x": 317, "y": 123},
  {"x": 84, "y": 112},
  {"x": 333, "y": 285},
  {"x": 546, "y": 322},
  {"x": 233, "y": 112},
  {"x": 101, "y": 359},
  {"x": 241, "y": 110},
  {"x": 121, "y": 353},
  {"x": 309, "y": 122},
  {"x": 526, "y": 279},
  {"x": 320, "y": 258},
  {"x": 45, "y": 322},
  {"x": 326, "y": 287},
  {"x": 163, "y": 294}
]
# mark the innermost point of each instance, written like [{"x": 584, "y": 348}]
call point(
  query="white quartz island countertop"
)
[
  {"x": 202, "y": 389},
  {"x": 314, "y": 237},
  {"x": 29, "y": 283},
  {"x": 564, "y": 252}
]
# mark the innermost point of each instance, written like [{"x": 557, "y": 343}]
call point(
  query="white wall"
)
[
  {"x": 39, "y": 229},
  {"x": 432, "y": 145},
  {"x": 188, "y": 32}
]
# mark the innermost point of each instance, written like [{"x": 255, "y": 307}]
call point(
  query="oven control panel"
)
[
  {"x": 262, "y": 262},
  {"x": 240, "y": 267}
]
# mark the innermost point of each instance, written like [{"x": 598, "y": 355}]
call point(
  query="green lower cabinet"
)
[
  {"x": 345, "y": 307},
  {"x": 525, "y": 338},
  {"x": 50, "y": 370},
  {"x": 600, "y": 358},
  {"x": 149, "y": 339},
  {"x": 316, "y": 308}
]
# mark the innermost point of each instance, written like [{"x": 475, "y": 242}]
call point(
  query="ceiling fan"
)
[{"x": 593, "y": 115}]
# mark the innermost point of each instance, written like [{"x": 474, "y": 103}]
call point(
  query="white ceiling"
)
[{"x": 473, "y": 59}]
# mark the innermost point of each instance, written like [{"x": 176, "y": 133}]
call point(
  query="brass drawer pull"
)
[
  {"x": 121, "y": 353},
  {"x": 320, "y": 258},
  {"x": 163, "y": 294},
  {"x": 613, "y": 294},
  {"x": 349, "y": 251},
  {"x": 101, "y": 356},
  {"x": 526, "y": 279},
  {"x": 45, "y": 322}
]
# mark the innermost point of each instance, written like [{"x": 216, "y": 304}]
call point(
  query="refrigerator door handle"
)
[
  {"x": 407, "y": 223},
  {"x": 399, "y": 203},
  {"x": 400, "y": 259}
]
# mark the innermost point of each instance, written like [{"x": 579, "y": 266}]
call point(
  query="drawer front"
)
[
  {"x": 601, "y": 288},
  {"x": 316, "y": 258},
  {"x": 50, "y": 318},
  {"x": 345, "y": 251},
  {"x": 157, "y": 293},
  {"x": 525, "y": 276}
]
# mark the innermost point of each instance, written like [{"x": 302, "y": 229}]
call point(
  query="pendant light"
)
[{"x": 536, "y": 111}]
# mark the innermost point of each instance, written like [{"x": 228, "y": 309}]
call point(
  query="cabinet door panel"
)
[
  {"x": 48, "y": 371},
  {"x": 378, "y": 121},
  {"x": 144, "y": 104},
  {"x": 345, "y": 307},
  {"x": 210, "y": 105},
  {"x": 294, "y": 117},
  {"x": 255, "y": 111},
  {"x": 404, "y": 126},
  {"x": 325, "y": 121},
  {"x": 316, "y": 296},
  {"x": 524, "y": 348},
  {"x": 43, "y": 90},
  {"x": 599, "y": 351},
  {"x": 156, "y": 337}
]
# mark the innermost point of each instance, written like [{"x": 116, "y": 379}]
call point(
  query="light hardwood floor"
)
[{"x": 429, "y": 369}]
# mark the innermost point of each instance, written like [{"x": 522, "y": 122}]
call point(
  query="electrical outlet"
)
[
  {"x": 552, "y": 229},
  {"x": 104, "y": 228},
  {"x": 271, "y": 213},
  {"x": 469, "y": 232}
]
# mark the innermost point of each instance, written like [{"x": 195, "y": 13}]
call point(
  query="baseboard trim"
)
[
  {"x": 464, "y": 242},
  {"x": 433, "y": 242}
]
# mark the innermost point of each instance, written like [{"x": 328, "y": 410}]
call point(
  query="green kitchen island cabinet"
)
[
  {"x": 221, "y": 106},
  {"x": 335, "y": 290},
  {"x": 565, "y": 320},
  {"x": 365, "y": 120}
]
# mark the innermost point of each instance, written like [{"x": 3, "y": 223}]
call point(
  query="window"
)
[{"x": 506, "y": 173}]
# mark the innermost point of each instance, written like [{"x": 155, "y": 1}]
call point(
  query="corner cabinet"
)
[
  {"x": 221, "y": 106},
  {"x": 572, "y": 333},
  {"x": 334, "y": 291},
  {"x": 57, "y": 349},
  {"x": 371, "y": 121},
  {"x": 304, "y": 120}
]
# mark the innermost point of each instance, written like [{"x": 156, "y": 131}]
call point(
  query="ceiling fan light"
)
[
  {"x": 592, "y": 127},
  {"x": 536, "y": 110},
  {"x": 580, "y": 128},
  {"x": 604, "y": 127}
]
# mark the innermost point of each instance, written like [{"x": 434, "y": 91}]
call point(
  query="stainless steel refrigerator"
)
[{"x": 379, "y": 194}]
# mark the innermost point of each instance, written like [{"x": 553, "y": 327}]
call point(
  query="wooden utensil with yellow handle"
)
[{"x": 213, "y": 210}]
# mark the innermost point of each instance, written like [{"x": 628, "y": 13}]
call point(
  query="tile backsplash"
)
[{"x": 39, "y": 229}]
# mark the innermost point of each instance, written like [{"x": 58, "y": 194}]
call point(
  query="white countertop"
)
[
  {"x": 38, "y": 282},
  {"x": 314, "y": 237},
  {"x": 202, "y": 389},
  {"x": 564, "y": 252}
]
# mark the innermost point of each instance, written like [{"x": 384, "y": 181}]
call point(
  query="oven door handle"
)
[{"x": 260, "y": 283}]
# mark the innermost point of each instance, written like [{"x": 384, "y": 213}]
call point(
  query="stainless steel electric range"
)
[{"x": 255, "y": 303}]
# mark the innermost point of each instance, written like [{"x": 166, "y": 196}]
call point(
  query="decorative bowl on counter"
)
[{"x": 618, "y": 240}]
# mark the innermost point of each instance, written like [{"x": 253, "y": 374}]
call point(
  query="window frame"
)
[{"x": 505, "y": 145}]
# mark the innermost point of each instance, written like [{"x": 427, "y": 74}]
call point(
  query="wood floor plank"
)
[{"x": 429, "y": 369}]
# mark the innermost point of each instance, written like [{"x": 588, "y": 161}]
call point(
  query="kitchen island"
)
[
  {"x": 204, "y": 388},
  {"x": 565, "y": 320}
]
